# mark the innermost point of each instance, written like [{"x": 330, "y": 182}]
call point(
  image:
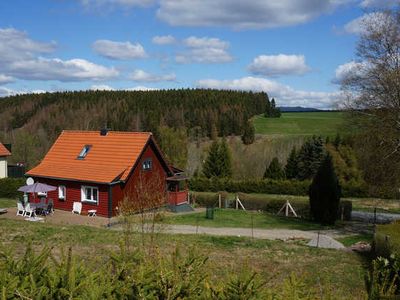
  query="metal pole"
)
[
  {"x": 318, "y": 239},
  {"x": 252, "y": 226},
  {"x": 375, "y": 215}
]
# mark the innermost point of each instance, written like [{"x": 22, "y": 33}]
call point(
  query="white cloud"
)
[
  {"x": 140, "y": 88},
  {"x": 142, "y": 76},
  {"x": 284, "y": 95},
  {"x": 5, "y": 79},
  {"x": 204, "y": 50},
  {"x": 20, "y": 59},
  {"x": 16, "y": 45},
  {"x": 119, "y": 50},
  {"x": 164, "y": 40},
  {"x": 101, "y": 87},
  {"x": 361, "y": 24},
  {"x": 282, "y": 64},
  {"x": 379, "y": 3},
  {"x": 348, "y": 70},
  {"x": 57, "y": 69},
  {"x": 5, "y": 92},
  {"x": 241, "y": 14},
  {"x": 117, "y": 3}
]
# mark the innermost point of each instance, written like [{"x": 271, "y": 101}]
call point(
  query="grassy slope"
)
[
  {"x": 304, "y": 123},
  {"x": 328, "y": 270}
]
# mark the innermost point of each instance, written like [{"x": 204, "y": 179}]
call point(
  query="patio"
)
[{"x": 61, "y": 217}]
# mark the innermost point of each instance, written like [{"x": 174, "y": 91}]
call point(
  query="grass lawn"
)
[
  {"x": 336, "y": 272},
  {"x": 5, "y": 202},
  {"x": 302, "y": 123},
  {"x": 352, "y": 239},
  {"x": 240, "y": 218}
]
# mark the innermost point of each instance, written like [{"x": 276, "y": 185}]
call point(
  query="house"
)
[
  {"x": 4, "y": 153},
  {"x": 101, "y": 168}
]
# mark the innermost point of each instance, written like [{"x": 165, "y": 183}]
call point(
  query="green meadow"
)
[{"x": 300, "y": 123}]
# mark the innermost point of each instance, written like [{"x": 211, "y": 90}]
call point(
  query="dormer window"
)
[
  {"x": 147, "y": 164},
  {"x": 84, "y": 151}
]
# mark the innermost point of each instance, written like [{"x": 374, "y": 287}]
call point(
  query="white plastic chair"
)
[
  {"x": 29, "y": 212},
  {"x": 77, "y": 208},
  {"x": 20, "y": 209}
]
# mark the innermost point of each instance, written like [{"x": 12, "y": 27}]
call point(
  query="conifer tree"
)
[
  {"x": 291, "y": 168},
  {"x": 274, "y": 170},
  {"x": 225, "y": 160},
  {"x": 211, "y": 166},
  {"x": 310, "y": 157},
  {"x": 248, "y": 134},
  {"x": 324, "y": 193}
]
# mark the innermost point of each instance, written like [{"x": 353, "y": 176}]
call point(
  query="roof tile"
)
[{"x": 111, "y": 156}]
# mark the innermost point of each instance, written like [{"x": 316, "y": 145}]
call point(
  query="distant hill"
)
[
  {"x": 33, "y": 121},
  {"x": 297, "y": 109}
]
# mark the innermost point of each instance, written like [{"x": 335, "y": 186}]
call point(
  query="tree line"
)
[{"x": 33, "y": 121}]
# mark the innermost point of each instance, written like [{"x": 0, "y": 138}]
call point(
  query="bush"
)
[
  {"x": 325, "y": 194},
  {"x": 252, "y": 202},
  {"x": 266, "y": 186},
  {"x": 9, "y": 187},
  {"x": 387, "y": 239}
]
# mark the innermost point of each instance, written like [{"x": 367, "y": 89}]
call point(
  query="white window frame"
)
[
  {"x": 62, "y": 192},
  {"x": 147, "y": 164},
  {"x": 83, "y": 194}
]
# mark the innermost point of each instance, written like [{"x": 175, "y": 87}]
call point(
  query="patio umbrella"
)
[{"x": 37, "y": 188}]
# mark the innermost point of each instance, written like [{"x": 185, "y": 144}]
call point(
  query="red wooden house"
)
[{"x": 101, "y": 168}]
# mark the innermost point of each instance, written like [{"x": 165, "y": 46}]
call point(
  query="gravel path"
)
[
  {"x": 325, "y": 241},
  {"x": 381, "y": 218}
]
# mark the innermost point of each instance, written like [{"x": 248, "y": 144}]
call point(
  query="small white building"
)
[{"x": 3, "y": 160}]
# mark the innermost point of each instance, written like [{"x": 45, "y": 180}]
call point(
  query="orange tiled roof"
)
[
  {"x": 4, "y": 151},
  {"x": 111, "y": 157}
]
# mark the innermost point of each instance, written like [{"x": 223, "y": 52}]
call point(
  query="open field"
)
[
  {"x": 301, "y": 123},
  {"x": 333, "y": 272}
]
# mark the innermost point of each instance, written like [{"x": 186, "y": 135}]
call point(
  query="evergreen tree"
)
[
  {"x": 248, "y": 134},
  {"x": 267, "y": 111},
  {"x": 225, "y": 160},
  {"x": 291, "y": 168},
  {"x": 211, "y": 166},
  {"x": 324, "y": 193},
  {"x": 271, "y": 111},
  {"x": 274, "y": 170},
  {"x": 310, "y": 156}
]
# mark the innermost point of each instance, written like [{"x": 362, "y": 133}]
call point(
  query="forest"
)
[{"x": 32, "y": 122}]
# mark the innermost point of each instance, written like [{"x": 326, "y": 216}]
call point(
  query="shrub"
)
[
  {"x": 9, "y": 187},
  {"x": 267, "y": 186},
  {"x": 325, "y": 194},
  {"x": 383, "y": 280},
  {"x": 387, "y": 239}
]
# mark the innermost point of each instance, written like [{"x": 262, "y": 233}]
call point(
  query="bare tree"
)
[
  {"x": 373, "y": 93},
  {"x": 143, "y": 206}
]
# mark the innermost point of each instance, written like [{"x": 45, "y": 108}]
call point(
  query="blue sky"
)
[{"x": 295, "y": 50}]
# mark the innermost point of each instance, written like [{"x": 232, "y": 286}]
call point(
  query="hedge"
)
[
  {"x": 267, "y": 186},
  {"x": 387, "y": 239},
  {"x": 9, "y": 187},
  {"x": 252, "y": 202}
]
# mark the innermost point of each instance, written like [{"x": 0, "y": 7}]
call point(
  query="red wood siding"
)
[
  {"x": 176, "y": 198},
  {"x": 130, "y": 188},
  {"x": 73, "y": 194}
]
